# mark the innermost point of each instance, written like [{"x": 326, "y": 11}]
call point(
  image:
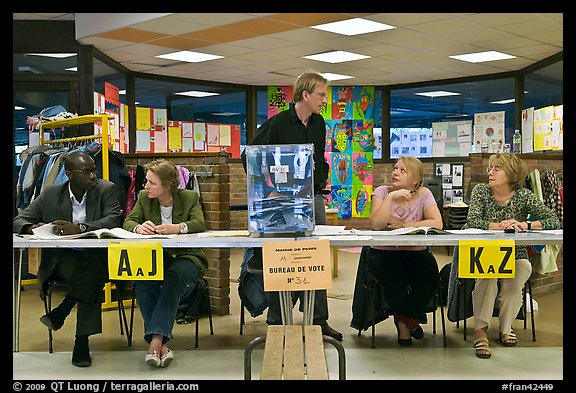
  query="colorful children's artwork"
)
[
  {"x": 361, "y": 201},
  {"x": 342, "y": 102},
  {"x": 364, "y": 102},
  {"x": 342, "y": 200},
  {"x": 362, "y": 168},
  {"x": 341, "y": 135},
  {"x": 341, "y": 169},
  {"x": 363, "y": 138},
  {"x": 279, "y": 99}
]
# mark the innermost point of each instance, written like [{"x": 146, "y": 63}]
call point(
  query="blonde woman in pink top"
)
[{"x": 409, "y": 275}]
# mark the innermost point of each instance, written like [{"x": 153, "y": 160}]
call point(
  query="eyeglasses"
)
[
  {"x": 86, "y": 172},
  {"x": 496, "y": 169},
  {"x": 321, "y": 95}
]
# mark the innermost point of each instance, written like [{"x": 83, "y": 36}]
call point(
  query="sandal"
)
[
  {"x": 509, "y": 339},
  {"x": 482, "y": 347}
]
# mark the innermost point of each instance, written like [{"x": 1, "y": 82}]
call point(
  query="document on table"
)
[
  {"x": 331, "y": 230},
  {"x": 240, "y": 232},
  {"x": 46, "y": 232}
]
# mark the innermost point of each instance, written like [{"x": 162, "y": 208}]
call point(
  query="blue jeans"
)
[{"x": 158, "y": 300}]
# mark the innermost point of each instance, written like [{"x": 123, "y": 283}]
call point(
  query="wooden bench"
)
[
  {"x": 294, "y": 352},
  {"x": 284, "y": 353}
]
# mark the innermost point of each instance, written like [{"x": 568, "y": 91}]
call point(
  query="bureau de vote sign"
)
[
  {"x": 297, "y": 265},
  {"x": 486, "y": 259},
  {"x": 135, "y": 261}
]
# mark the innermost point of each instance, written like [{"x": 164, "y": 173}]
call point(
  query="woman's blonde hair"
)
[
  {"x": 166, "y": 171},
  {"x": 307, "y": 82},
  {"x": 415, "y": 168},
  {"x": 514, "y": 167}
]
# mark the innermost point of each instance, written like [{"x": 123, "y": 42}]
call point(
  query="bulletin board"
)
[
  {"x": 549, "y": 128},
  {"x": 156, "y": 134},
  {"x": 451, "y": 138}
]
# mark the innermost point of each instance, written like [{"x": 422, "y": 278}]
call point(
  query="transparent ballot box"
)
[{"x": 280, "y": 189}]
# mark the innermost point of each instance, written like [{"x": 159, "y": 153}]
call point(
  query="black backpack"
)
[
  {"x": 193, "y": 302},
  {"x": 251, "y": 285},
  {"x": 443, "y": 284}
]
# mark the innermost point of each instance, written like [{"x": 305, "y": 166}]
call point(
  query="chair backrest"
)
[{"x": 435, "y": 186}]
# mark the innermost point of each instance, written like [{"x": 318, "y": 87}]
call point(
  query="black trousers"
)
[
  {"x": 320, "y": 317},
  {"x": 86, "y": 272},
  {"x": 402, "y": 269}
]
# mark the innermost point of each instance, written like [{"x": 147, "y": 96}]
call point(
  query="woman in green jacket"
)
[{"x": 163, "y": 208}]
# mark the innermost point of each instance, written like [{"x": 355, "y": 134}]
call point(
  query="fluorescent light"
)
[
  {"x": 335, "y": 77},
  {"x": 190, "y": 57},
  {"x": 72, "y": 69},
  {"x": 439, "y": 93},
  {"x": 55, "y": 55},
  {"x": 504, "y": 101},
  {"x": 18, "y": 108},
  {"x": 121, "y": 91},
  {"x": 226, "y": 113},
  {"x": 336, "y": 57},
  {"x": 353, "y": 26},
  {"x": 193, "y": 93},
  {"x": 483, "y": 56}
]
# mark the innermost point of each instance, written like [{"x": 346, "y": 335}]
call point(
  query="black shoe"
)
[
  {"x": 417, "y": 333},
  {"x": 81, "y": 353},
  {"x": 405, "y": 342},
  {"x": 52, "y": 321},
  {"x": 328, "y": 331}
]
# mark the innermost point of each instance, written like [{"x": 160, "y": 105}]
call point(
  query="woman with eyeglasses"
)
[
  {"x": 408, "y": 274},
  {"x": 504, "y": 203}
]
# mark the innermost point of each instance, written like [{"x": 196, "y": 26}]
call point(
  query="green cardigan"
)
[{"x": 186, "y": 208}]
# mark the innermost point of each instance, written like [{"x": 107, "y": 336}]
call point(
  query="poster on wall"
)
[
  {"x": 451, "y": 138},
  {"x": 548, "y": 128},
  {"x": 489, "y": 132},
  {"x": 279, "y": 99},
  {"x": 528, "y": 130}
]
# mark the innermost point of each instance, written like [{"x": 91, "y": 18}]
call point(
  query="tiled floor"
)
[{"x": 221, "y": 356}]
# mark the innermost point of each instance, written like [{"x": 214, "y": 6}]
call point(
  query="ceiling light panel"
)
[
  {"x": 193, "y": 93},
  {"x": 483, "y": 57},
  {"x": 189, "y": 56},
  {"x": 438, "y": 93},
  {"x": 336, "y": 57},
  {"x": 353, "y": 27}
]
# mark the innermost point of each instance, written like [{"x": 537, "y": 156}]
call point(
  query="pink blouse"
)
[{"x": 414, "y": 211}]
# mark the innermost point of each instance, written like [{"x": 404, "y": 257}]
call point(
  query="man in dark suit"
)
[{"x": 81, "y": 204}]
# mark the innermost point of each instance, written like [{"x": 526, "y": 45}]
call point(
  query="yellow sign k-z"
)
[{"x": 486, "y": 259}]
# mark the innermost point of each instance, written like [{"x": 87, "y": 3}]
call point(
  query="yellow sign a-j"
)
[{"x": 135, "y": 261}]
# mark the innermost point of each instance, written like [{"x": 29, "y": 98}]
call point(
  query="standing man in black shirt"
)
[{"x": 302, "y": 123}]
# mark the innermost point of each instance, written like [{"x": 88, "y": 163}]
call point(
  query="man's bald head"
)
[{"x": 77, "y": 160}]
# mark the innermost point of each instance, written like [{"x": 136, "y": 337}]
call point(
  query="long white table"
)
[{"x": 193, "y": 240}]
